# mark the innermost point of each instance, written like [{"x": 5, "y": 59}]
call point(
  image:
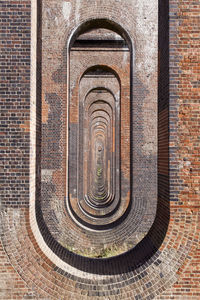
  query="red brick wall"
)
[
  {"x": 165, "y": 265},
  {"x": 14, "y": 128},
  {"x": 184, "y": 124}
]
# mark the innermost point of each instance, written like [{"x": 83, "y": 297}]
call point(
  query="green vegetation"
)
[
  {"x": 99, "y": 171},
  {"x": 104, "y": 252}
]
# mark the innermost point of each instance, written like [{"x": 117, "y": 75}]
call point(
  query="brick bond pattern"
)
[
  {"x": 53, "y": 132},
  {"x": 165, "y": 265}
]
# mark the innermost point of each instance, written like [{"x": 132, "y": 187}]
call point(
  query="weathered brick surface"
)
[
  {"x": 12, "y": 286},
  {"x": 184, "y": 124},
  {"x": 15, "y": 101},
  {"x": 140, "y": 112},
  {"x": 165, "y": 265}
]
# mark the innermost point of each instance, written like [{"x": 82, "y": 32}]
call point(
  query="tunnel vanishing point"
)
[{"x": 99, "y": 144}]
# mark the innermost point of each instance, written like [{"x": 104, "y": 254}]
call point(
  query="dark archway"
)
[{"x": 149, "y": 245}]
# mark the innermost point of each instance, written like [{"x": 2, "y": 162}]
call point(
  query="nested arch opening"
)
[
  {"x": 100, "y": 199},
  {"x": 99, "y": 118},
  {"x": 96, "y": 27}
]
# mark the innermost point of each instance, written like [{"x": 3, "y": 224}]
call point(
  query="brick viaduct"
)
[{"x": 100, "y": 149}]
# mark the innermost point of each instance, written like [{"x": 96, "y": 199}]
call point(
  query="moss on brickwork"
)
[{"x": 104, "y": 252}]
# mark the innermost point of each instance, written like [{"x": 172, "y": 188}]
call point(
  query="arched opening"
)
[
  {"x": 99, "y": 114},
  {"x": 100, "y": 88}
]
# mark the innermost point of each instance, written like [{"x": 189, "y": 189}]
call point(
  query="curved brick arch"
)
[
  {"x": 136, "y": 215},
  {"x": 63, "y": 285},
  {"x": 164, "y": 269},
  {"x": 134, "y": 220}
]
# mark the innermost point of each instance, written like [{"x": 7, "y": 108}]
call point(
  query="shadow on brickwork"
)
[
  {"x": 147, "y": 251},
  {"x": 39, "y": 102}
]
